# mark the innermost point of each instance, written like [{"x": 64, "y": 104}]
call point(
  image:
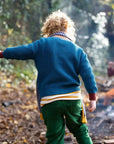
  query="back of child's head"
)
[{"x": 58, "y": 21}]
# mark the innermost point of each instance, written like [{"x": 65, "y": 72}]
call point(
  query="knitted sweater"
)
[{"x": 59, "y": 63}]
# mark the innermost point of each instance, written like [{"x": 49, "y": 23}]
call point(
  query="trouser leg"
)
[
  {"x": 54, "y": 120},
  {"x": 74, "y": 124}
]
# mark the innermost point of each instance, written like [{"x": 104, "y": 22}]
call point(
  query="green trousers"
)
[{"x": 59, "y": 113}]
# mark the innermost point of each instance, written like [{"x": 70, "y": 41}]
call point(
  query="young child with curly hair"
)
[{"x": 59, "y": 62}]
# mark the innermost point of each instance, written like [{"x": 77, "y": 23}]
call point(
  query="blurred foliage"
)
[
  {"x": 21, "y": 22},
  {"x": 95, "y": 29},
  {"x": 24, "y": 71}
]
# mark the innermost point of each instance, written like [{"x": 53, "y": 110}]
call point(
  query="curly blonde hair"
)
[{"x": 56, "y": 22}]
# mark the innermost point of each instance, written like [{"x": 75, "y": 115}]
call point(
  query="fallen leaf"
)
[
  {"x": 8, "y": 85},
  {"x": 27, "y": 117}
]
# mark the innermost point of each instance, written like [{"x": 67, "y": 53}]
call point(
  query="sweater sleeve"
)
[
  {"x": 1, "y": 54},
  {"x": 21, "y": 52},
  {"x": 88, "y": 76}
]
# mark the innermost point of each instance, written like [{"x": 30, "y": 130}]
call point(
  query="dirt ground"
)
[{"x": 20, "y": 119}]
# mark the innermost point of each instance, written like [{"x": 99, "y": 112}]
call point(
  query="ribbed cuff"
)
[
  {"x": 1, "y": 54},
  {"x": 92, "y": 96}
]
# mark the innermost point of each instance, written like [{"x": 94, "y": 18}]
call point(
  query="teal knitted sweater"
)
[{"x": 59, "y": 63}]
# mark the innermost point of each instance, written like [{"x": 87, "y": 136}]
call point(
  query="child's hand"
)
[{"x": 92, "y": 105}]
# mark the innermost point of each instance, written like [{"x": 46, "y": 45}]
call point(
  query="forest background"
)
[{"x": 21, "y": 22}]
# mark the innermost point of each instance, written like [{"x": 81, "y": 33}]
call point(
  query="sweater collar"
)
[{"x": 61, "y": 33}]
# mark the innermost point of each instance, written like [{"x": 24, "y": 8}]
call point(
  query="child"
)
[
  {"x": 59, "y": 63},
  {"x": 110, "y": 69}
]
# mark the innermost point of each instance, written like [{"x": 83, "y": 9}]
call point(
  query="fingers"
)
[
  {"x": 92, "y": 106},
  {"x": 91, "y": 109}
]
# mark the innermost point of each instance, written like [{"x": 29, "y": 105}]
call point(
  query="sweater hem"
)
[{"x": 69, "y": 96}]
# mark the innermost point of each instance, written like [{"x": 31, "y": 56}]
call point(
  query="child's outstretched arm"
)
[{"x": 23, "y": 52}]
